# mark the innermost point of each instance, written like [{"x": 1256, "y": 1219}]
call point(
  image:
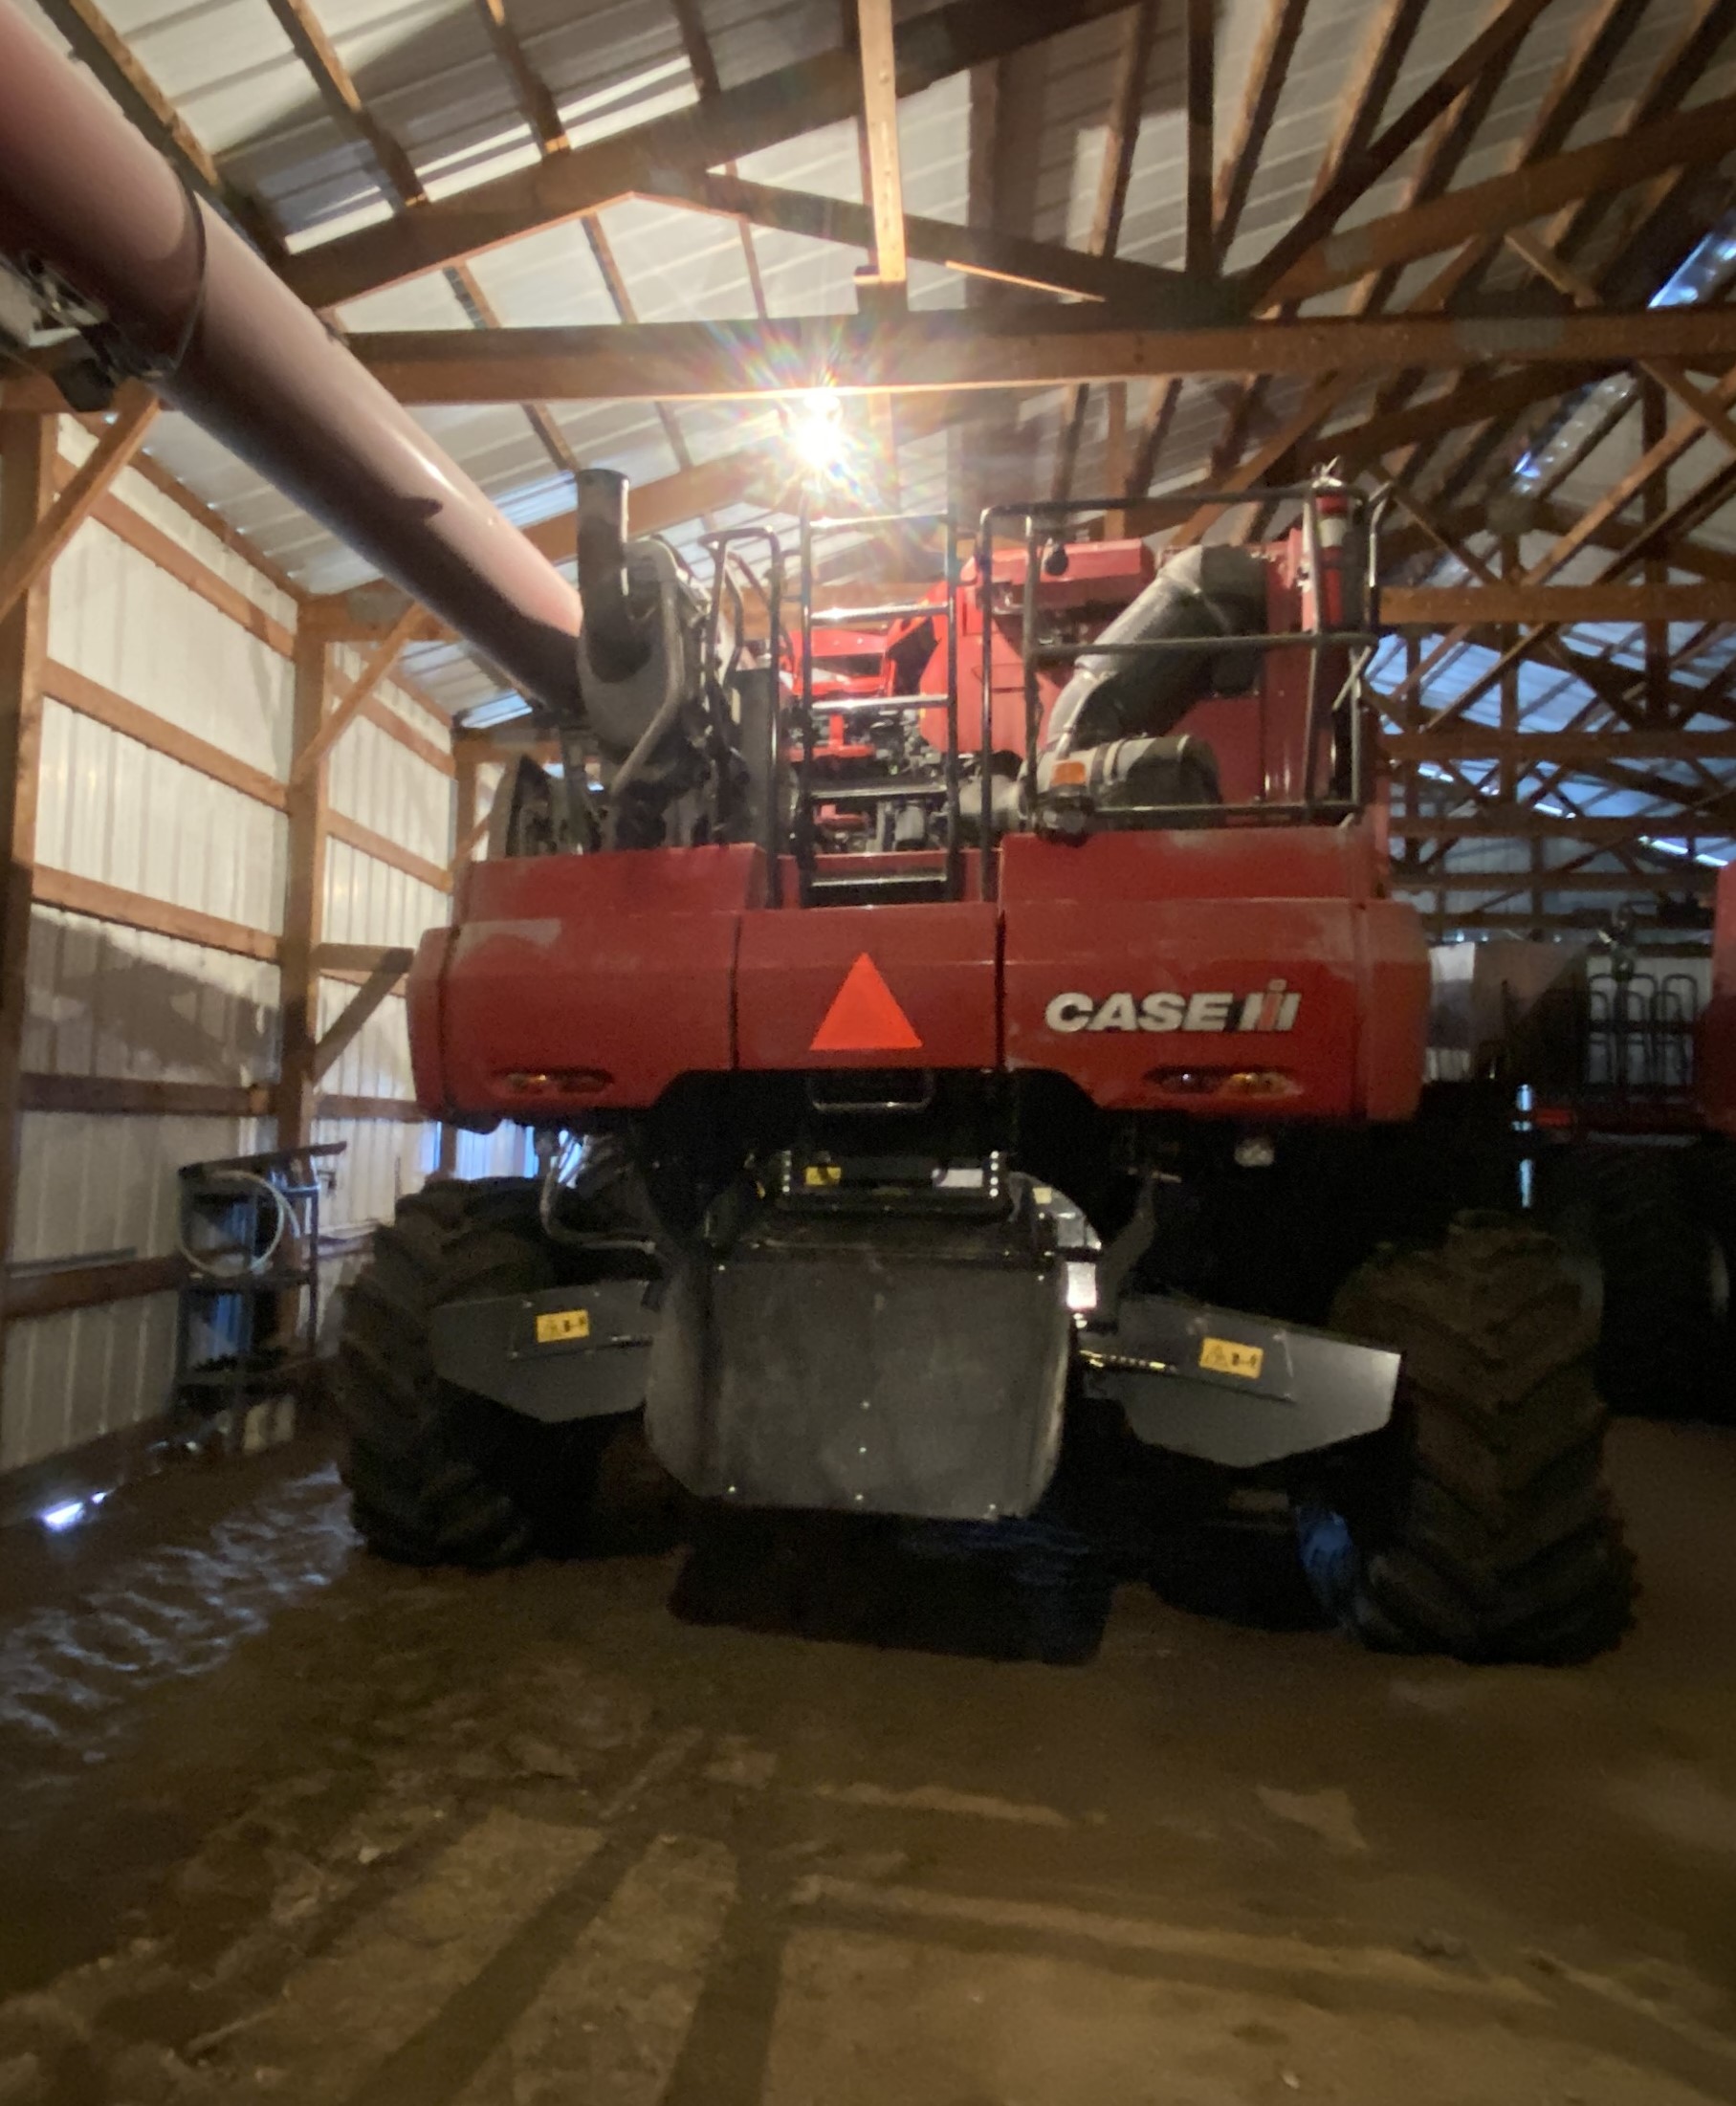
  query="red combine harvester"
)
[{"x": 917, "y": 1051}]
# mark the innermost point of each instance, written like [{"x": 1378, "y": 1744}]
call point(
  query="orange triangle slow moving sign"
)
[{"x": 864, "y": 1016}]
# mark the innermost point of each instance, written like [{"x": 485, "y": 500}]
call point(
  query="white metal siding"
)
[
  {"x": 378, "y": 783},
  {"x": 107, "y": 1000},
  {"x": 114, "y": 809},
  {"x": 73, "y": 1377},
  {"x": 140, "y": 495},
  {"x": 111, "y": 1001}
]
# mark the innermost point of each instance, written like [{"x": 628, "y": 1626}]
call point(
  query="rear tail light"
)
[
  {"x": 1225, "y": 1082},
  {"x": 548, "y": 1085}
]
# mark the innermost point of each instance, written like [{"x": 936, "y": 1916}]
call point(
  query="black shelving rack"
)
[{"x": 248, "y": 1324}]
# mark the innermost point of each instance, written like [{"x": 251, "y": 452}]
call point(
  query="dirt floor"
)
[{"x": 762, "y": 1822}]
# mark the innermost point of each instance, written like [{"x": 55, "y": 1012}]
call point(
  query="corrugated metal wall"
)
[{"x": 106, "y": 1000}]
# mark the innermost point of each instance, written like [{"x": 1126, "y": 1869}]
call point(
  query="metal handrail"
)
[{"x": 1039, "y": 519}]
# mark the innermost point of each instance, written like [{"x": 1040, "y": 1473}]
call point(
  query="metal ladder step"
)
[{"x": 868, "y": 704}]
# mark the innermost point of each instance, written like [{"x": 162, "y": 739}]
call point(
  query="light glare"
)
[{"x": 816, "y": 432}]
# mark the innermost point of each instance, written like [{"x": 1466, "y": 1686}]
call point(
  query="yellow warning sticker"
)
[
  {"x": 1224, "y": 1356},
  {"x": 817, "y": 1176},
  {"x": 556, "y": 1327}
]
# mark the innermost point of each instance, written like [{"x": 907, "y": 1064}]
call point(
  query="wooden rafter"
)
[
  {"x": 976, "y": 250},
  {"x": 1495, "y": 600},
  {"x": 1560, "y": 274},
  {"x": 1120, "y": 142},
  {"x": 98, "y": 45},
  {"x": 338, "y": 91},
  {"x": 1478, "y": 210},
  {"x": 1685, "y": 433},
  {"x": 1709, "y": 23},
  {"x": 725, "y": 361},
  {"x": 760, "y": 113},
  {"x": 702, "y": 64},
  {"x": 1362, "y": 165},
  {"x": 884, "y": 170},
  {"x": 530, "y": 90},
  {"x": 1392, "y": 26}
]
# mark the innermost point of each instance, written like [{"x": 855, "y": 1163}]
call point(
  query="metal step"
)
[
  {"x": 931, "y": 884},
  {"x": 870, "y": 705},
  {"x": 873, "y": 793}
]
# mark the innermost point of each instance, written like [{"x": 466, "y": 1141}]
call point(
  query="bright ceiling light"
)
[{"x": 816, "y": 432}]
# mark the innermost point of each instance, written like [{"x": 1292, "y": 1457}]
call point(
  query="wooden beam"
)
[
  {"x": 702, "y": 63},
  {"x": 975, "y": 250},
  {"x": 1361, "y": 166},
  {"x": 726, "y": 361},
  {"x": 1656, "y": 461},
  {"x": 97, "y": 44},
  {"x": 1559, "y": 272},
  {"x": 331, "y": 77},
  {"x": 1694, "y": 50},
  {"x": 1698, "y": 558},
  {"x": 331, "y": 960},
  {"x": 530, "y": 90},
  {"x": 104, "y": 706},
  {"x": 1114, "y": 172},
  {"x": 1482, "y": 742},
  {"x": 1689, "y": 139},
  {"x": 1268, "y": 70},
  {"x": 135, "y": 412},
  {"x": 1521, "y": 822},
  {"x": 1444, "y": 607},
  {"x": 365, "y": 841},
  {"x": 880, "y": 137},
  {"x": 27, "y": 484},
  {"x": 1690, "y": 878},
  {"x": 73, "y": 894},
  {"x": 360, "y": 692},
  {"x": 760, "y": 113},
  {"x": 304, "y": 897},
  {"x": 91, "y": 1286},
  {"x": 347, "y": 1027},
  {"x": 125, "y": 1097},
  {"x": 403, "y": 1110}
]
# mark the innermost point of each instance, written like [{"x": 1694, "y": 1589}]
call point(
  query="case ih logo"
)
[{"x": 1273, "y": 1009}]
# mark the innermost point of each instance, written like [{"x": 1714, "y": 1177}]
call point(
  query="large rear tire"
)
[
  {"x": 1629, "y": 1211},
  {"x": 1480, "y": 1527},
  {"x": 437, "y": 1475}
]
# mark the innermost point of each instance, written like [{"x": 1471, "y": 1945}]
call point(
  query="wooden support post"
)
[
  {"x": 1510, "y": 683},
  {"x": 29, "y": 560},
  {"x": 304, "y": 901},
  {"x": 1656, "y": 571},
  {"x": 27, "y": 489}
]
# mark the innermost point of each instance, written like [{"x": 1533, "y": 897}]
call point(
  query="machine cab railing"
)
[{"x": 1300, "y": 724}]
